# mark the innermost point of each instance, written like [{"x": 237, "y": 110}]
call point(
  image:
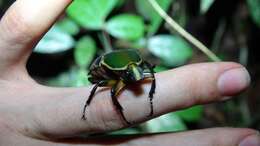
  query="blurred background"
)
[{"x": 89, "y": 28}]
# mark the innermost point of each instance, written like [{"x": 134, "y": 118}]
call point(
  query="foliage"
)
[
  {"x": 91, "y": 14},
  {"x": 85, "y": 51},
  {"x": 205, "y": 5},
  {"x": 69, "y": 26},
  {"x": 126, "y": 26},
  {"x": 167, "y": 51},
  {"x": 166, "y": 123},
  {"x": 192, "y": 114},
  {"x": 254, "y": 7},
  {"x": 56, "y": 40},
  {"x": 146, "y": 10}
]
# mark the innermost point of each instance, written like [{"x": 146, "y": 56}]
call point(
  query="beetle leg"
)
[
  {"x": 101, "y": 83},
  {"x": 153, "y": 86},
  {"x": 114, "y": 92}
]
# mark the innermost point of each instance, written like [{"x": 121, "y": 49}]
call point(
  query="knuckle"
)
[
  {"x": 194, "y": 91},
  {"x": 202, "y": 88}
]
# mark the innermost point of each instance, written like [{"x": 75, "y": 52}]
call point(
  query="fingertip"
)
[{"x": 233, "y": 81}]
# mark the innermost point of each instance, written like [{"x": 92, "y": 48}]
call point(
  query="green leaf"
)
[
  {"x": 126, "y": 26},
  {"x": 85, "y": 51},
  {"x": 81, "y": 78},
  {"x": 172, "y": 50},
  {"x": 120, "y": 3},
  {"x": 160, "y": 68},
  {"x": 145, "y": 9},
  {"x": 125, "y": 131},
  {"x": 91, "y": 14},
  {"x": 166, "y": 123},
  {"x": 56, "y": 40},
  {"x": 75, "y": 77},
  {"x": 193, "y": 114},
  {"x": 205, "y": 5},
  {"x": 254, "y": 8},
  {"x": 69, "y": 26}
]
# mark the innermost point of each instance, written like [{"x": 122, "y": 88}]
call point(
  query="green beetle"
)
[{"x": 118, "y": 69}]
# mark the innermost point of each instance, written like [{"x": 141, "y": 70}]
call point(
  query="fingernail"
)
[
  {"x": 233, "y": 81},
  {"x": 252, "y": 140}
]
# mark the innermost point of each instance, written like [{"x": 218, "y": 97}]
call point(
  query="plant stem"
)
[
  {"x": 218, "y": 36},
  {"x": 104, "y": 37},
  {"x": 182, "y": 32}
]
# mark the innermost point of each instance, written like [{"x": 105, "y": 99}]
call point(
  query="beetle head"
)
[{"x": 133, "y": 73}]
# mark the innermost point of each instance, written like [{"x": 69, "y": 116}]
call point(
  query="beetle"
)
[{"x": 117, "y": 69}]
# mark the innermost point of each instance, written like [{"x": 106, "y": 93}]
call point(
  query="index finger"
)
[{"x": 176, "y": 89}]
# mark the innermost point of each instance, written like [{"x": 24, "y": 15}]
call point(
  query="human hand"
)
[{"x": 32, "y": 114}]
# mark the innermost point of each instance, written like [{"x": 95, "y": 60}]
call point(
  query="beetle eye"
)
[{"x": 128, "y": 73}]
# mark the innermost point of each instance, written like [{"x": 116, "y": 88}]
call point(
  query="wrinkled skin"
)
[{"x": 36, "y": 115}]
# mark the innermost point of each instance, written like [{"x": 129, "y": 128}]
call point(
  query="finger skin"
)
[
  {"x": 59, "y": 113},
  {"x": 207, "y": 137},
  {"x": 23, "y": 25}
]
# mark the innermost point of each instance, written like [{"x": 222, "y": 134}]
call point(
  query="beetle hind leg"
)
[
  {"x": 150, "y": 74},
  {"x": 151, "y": 93}
]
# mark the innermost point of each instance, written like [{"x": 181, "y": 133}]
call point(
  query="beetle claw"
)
[{"x": 84, "y": 117}]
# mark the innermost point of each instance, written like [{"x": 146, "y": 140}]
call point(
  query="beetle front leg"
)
[
  {"x": 99, "y": 84},
  {"x": 153, "y": 86},
  {"x": 114, "y": 92}
]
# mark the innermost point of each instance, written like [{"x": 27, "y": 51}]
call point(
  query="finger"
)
[
  {"x": 23, "y": 25},
  {"x": 176, "y": 89},
  {"x": 208, "y": 137},
  {"x": 211, "y": 137}
]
